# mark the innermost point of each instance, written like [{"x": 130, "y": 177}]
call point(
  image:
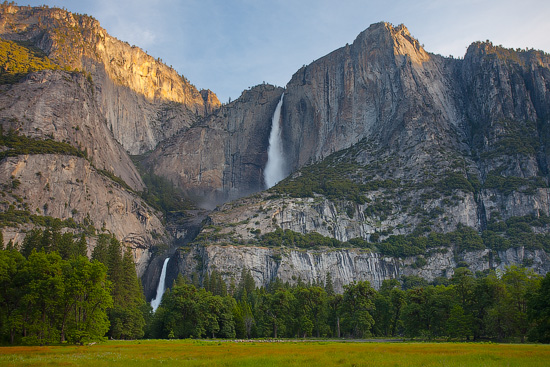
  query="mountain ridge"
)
[{"x": 125, "y": 76}]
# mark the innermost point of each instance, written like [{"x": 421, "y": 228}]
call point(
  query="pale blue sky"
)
[{"x": 228, "y": 46}]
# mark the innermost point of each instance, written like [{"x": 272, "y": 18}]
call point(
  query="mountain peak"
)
[{"x": 384, "y": 35}]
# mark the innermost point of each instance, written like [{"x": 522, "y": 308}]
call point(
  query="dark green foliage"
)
[
  {"x": 13, "y": 217},
  {"x": 129, "y": 311},
  {"x": 380, "y": 208},
  {"x": 85, "y": 301},
  {"x": 539, "y": 312},
  {"x": 480, "y": 307},
  {"x": 463, "y": 238},
  {"x": 518, "y": 231},
  {"x": 388, "y": 306},
  {"x": 413, "y": 281},
  {"x": 45, "y": 299},
  {"x": 246, "y": 285},
  {"x": 115, "y": 178},
  {"x": 127, "y": 315},
  {"x": 290, "y": 238},
  {"x": 161, "y": 193},
  {"x": 508, "y": 184},
  {"x": 186, "y": 312},
  {"x": 426, "y": 311},
  {"x": 215, "y": 284},
  {"x": 337, "y": 178},
  {"x": 466, "y": 239},
  {"x": 518, "y": 138},
  {"x": 17, "y": 59},
  {"x": 276, "y": 307},
  {"x": 101, "y": 250},
  {"x": 358, "y": 305},
  {"x": 454, "y": 181},
  {"x": 20, "y": 144},
  {"x": 402, "y": 246},
  {"x": 52, "y": 240}
]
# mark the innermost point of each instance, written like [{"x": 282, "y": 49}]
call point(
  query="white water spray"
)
[
  {"x": 274, "y": 169},
  {"x": 155, "y": 302}
]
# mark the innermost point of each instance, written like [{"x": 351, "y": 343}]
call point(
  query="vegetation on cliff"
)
[
  {"x": 161, "y": 193},
  {"x": 529, "y": 231},
  {"x": 18, "y": 59},
  {"x": 16, "y": 144}
]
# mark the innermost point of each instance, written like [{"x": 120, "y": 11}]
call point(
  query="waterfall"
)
[
  {"x": 274, "y": 169},
  {"x": 155, "y": 302}
]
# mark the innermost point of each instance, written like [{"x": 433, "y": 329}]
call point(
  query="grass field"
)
[{"x": 318, "y": 354}]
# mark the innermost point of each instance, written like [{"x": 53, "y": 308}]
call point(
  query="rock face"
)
[
  {"x": 69, "y": 187},
  {"x": 89, "y": 110},
  {"x": 344, "y": 265},
  {"x": 223, "y": 156},
  {"x": 384, "y": 85},
  {"x": 468, "y": 136},
  {"x": 483, "y": 116},
  {"x": 61, "y": 106},
  {"x": 143, "y": 100}
]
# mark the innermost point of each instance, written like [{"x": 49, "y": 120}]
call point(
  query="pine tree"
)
[
  {"x": 114, "y": 266},
  {"x": 10, "y": 245},
  {"x": 65, "y": 245},
  {"x": 329, "y": 287},
  {"x": 81, "y": 246},
  {"x": 31, "y": 242},
  {"x": 539, "y": 312},
  {"x": 127, "y": 318},
  {"x": 101, "y": 250},
  {"x": 206, "y": 281},
  {"x": 246, "y": 284},
  {"x": 12, "y": 284}
]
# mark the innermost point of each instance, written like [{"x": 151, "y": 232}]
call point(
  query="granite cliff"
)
[{"x": 143, "y": 100}]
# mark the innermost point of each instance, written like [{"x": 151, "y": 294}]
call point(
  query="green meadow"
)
[{"x": 288, "y": 353}]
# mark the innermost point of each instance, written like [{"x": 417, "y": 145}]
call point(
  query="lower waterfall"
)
[
  {"x": 155, "y": 302},
  {"x": 274, "y": 169}
]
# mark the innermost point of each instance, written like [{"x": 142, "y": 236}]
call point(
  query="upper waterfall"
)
[{"x": 274, "y": 169}]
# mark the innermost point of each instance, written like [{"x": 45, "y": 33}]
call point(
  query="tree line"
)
[
  {"x": 509, "y": 306},
  {"x": 50, "y": 292}
]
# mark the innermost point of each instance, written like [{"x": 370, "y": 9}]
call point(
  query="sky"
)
[{"x": 228, "y": 46}]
